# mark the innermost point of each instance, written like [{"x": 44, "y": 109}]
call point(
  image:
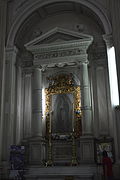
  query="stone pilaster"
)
[
  {"x": 18, "y": 103},
  {"x": 9, "y": 113},
  {"x": 37, "y": 103},
  {"x": 27, "y": 102},
  {"x": 2, "y": 64}
]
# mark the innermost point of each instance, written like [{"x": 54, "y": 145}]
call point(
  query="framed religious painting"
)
[
  {"x": 63, "y": 107},
  {"x": 104, "y": 144},
  {"x": 63, "y": 119}
]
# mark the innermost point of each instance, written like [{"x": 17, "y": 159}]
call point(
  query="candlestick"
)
[
  {"x": 73, "y": 116},
  {"x": 50, "y": 122}
]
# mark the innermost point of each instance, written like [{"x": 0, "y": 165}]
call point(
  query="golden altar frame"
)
[{"x": 63, "y": 84}]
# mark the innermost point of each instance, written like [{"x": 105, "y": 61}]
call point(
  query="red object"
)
[{"x": 108, "y": 163}]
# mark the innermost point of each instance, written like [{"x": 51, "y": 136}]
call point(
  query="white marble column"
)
[
  {"x": 36, "y": 125},
  {"x": 27, "y": 112},
  {"x": 18, "y": 103},
  {"x": 2, "y": 65},
  {"x": 86, "y": 100},
  {"x": 23, "y": 102}
]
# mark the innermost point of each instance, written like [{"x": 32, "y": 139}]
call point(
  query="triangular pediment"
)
[{"x": 57, "y": 35}]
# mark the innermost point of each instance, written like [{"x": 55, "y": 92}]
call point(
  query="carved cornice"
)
[
  {"x": 53, "y": 55},
  {"x": 60, "y": 53},
  {"x": 82, "y": 44},
  {"x": 60, "y": 60}
]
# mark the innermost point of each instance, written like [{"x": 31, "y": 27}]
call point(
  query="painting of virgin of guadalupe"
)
[{"x": 62, "y": 113}]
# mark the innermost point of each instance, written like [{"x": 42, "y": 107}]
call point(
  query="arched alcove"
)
[
  {"x": 92, "y": 6},
  {"x": 52, "y": 38}
]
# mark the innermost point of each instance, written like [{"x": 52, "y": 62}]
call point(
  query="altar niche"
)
[{"x": 63, "y": 119}]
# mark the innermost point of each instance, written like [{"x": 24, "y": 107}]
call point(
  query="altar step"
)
[{"x": 62, "y": 173}]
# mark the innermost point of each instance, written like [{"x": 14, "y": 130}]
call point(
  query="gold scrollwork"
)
[{"x": 63, "y": 84}]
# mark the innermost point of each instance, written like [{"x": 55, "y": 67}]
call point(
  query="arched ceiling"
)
[{"x": 69, "y": 15}]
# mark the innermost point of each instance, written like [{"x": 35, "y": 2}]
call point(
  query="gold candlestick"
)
[
  {"x": 73, "y": 118},
  {"x": 50, "y": 122},
  {"x": 74, "y": 158},
  {"x": 49, "y": 162}
]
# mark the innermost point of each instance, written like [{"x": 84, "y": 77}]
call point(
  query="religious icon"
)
[
  {"x": 100, "y": 146},
  {"x": 62, "y": 117}
]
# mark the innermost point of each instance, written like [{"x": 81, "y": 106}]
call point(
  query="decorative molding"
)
[
  {"x": 81, "y": 44},
  {"x": 11, "y": 49},
  {"x": 57, "y": 61},
  {"x": 11, "y": 54},
  {"x": 61, "y": 53},
  {"x": 27, "y": 71},
  {"x": 73, "y": 35},
  {"x": 108, "y": 40}
]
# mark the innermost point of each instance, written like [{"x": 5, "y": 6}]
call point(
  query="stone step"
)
[{"x": 84, "y": 172}]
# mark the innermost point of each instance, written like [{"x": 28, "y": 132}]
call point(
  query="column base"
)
[
  {"x": 4, "y": 170},
  {"x": 35, "y": 151},
  {"x": 87, "y": 149}
]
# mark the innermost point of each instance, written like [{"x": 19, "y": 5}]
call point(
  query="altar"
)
[{"x": 62, "y": 143}]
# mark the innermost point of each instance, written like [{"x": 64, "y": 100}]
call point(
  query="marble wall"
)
[{"x": 15, "y": 118}]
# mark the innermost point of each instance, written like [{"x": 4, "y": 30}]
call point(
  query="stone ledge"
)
[{"x": 79, "y": 171}]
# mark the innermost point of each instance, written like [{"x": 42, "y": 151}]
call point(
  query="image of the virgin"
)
[{"x": 62, "y": 116}]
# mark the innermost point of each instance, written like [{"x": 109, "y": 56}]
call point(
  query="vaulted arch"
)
[{"x": 28, "y": 10}]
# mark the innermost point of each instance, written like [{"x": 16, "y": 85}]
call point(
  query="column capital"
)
[
  {"x": 12, "y": 49},
  {"x": 108, "y": 40},
  {"x": 85, "y": 63},
  {"x": 26, "y": 71},
  {"x": 40, "y": 67},
  {"x": 80, "y": 63},
  {"x": 11, "y": 53}
]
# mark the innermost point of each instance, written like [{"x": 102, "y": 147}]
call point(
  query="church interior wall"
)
[{"x": 19, "y": 78}]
